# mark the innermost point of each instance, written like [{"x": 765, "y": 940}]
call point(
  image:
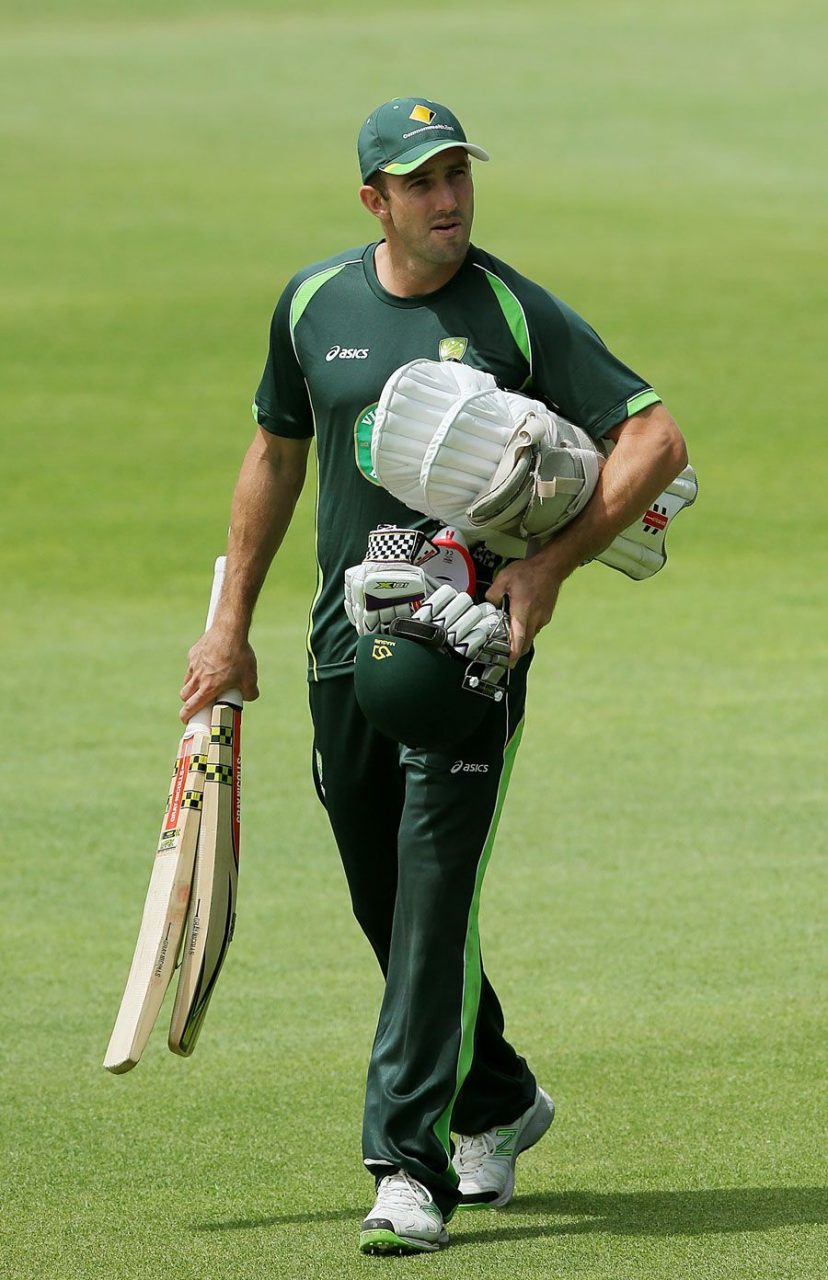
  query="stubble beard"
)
[
  {"x": 434, "y": 251},
  {"x": 428, "y": 252}
]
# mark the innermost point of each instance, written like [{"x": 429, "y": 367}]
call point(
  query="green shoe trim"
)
[{"x": 381, "y": 1241}]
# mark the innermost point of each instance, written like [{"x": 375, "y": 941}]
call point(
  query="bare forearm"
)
[
  {"x": 263, "y": 504},
  {"x": 269, "y": 484},
  {"x": 647, "y": 456}
]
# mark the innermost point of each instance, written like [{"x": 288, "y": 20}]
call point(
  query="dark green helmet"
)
[{"x": 417, "y": 691}]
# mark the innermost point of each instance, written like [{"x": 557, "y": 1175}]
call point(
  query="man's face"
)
[{"x": 430, "y": 210}]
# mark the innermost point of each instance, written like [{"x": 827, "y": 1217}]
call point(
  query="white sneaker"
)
[
  {"x": 404, "y": 1219},
  {"x": 485, "y": 1162}
]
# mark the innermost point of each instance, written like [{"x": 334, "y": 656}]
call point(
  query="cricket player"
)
[{"x": 415, "y": 827}]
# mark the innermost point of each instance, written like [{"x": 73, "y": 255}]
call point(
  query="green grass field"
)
[{"x": 654, "y": 913}]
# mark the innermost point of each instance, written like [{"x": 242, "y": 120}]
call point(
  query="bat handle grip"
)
[
  {"x": 202, "y": 718},
  {"x": 233, "y": 697},
  {"x": 215, "y": 590}
]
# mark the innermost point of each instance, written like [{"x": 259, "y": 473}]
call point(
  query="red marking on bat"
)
[
  {"x": 177, "y": 789},
  {"x": 236, "y": 784},
  {"x": 656, "y": 519}
]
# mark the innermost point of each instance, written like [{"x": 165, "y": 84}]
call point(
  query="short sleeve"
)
[
  {"x": 577, "y": 374},
  {"x": 282, "y": 404}
]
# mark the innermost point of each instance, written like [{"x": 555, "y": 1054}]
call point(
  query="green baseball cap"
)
[
  {"x": 414, "y": 692},
  {"x": 405, "y": 132}
]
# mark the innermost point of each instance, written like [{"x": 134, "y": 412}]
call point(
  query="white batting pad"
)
[
  {"x": 411, "y": 453},
  {"x": 639, "y": 550},
  {"x": 448, "y": 442}
]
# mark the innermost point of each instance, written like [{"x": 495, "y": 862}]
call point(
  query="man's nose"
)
[{"x": 444, "y": 195}]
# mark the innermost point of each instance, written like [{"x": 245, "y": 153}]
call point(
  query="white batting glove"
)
[
  {"x": 472, "y": 630},
  {"x": 355, "y": 597},
  {"x": 391, "y": 581},
  {"x": 377, "y": 593}
]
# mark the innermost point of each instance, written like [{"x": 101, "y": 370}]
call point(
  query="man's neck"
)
[{"x": 409, "y": 278}]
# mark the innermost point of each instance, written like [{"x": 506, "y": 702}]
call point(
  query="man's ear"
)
[{"x": 373, "y": 201}]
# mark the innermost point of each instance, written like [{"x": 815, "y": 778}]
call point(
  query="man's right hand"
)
[{"x": 218, "y": 661}]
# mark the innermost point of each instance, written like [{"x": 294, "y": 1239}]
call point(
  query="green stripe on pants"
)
[{"x": 472, "y": 962}]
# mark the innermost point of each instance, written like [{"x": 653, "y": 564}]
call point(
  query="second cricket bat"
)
[{"x": 212, "y": 914}]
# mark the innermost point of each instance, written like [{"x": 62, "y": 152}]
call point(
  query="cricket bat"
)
[
  {"x": 168, "y": 895},
  {"x": 212, "y": 912}
]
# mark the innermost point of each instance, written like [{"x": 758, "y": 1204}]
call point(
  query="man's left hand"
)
[{"x": 532, "y": 588}]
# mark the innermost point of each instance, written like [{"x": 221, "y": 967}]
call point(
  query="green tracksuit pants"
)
[{"x": 415, "y": 831}]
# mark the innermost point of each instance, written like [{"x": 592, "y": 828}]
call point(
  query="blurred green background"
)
[{"x": 654, "y": 912}]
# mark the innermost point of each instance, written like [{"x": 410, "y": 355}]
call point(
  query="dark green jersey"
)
[{"x": 337, "y": 336}]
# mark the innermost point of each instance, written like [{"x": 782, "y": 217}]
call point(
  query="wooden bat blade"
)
[
  {"x": 165, "y": 907},
  {"x": 212, "y": 914}
]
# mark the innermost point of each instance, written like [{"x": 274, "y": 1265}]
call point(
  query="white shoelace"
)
[
  {"x": 473, "y": 1149},
  {"x": 402, "y": 1192}
]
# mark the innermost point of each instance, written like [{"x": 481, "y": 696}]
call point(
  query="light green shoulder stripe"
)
[
  {"x": 298, "y": 303},
  {"x": 320, "y": 582},
  {"x": 642, "y": 401},
  {"x": 514, "y": 315},
  {"x": 473, "y": 977},
  {"x": 307, "y": 289}
]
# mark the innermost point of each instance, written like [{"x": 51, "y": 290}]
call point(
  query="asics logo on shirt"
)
[
  {"x": 461, "y": 766},
  {"x": 347, "y": 353}
]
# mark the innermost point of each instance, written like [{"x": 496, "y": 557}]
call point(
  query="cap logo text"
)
[{"x": 412, "y": 133}]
